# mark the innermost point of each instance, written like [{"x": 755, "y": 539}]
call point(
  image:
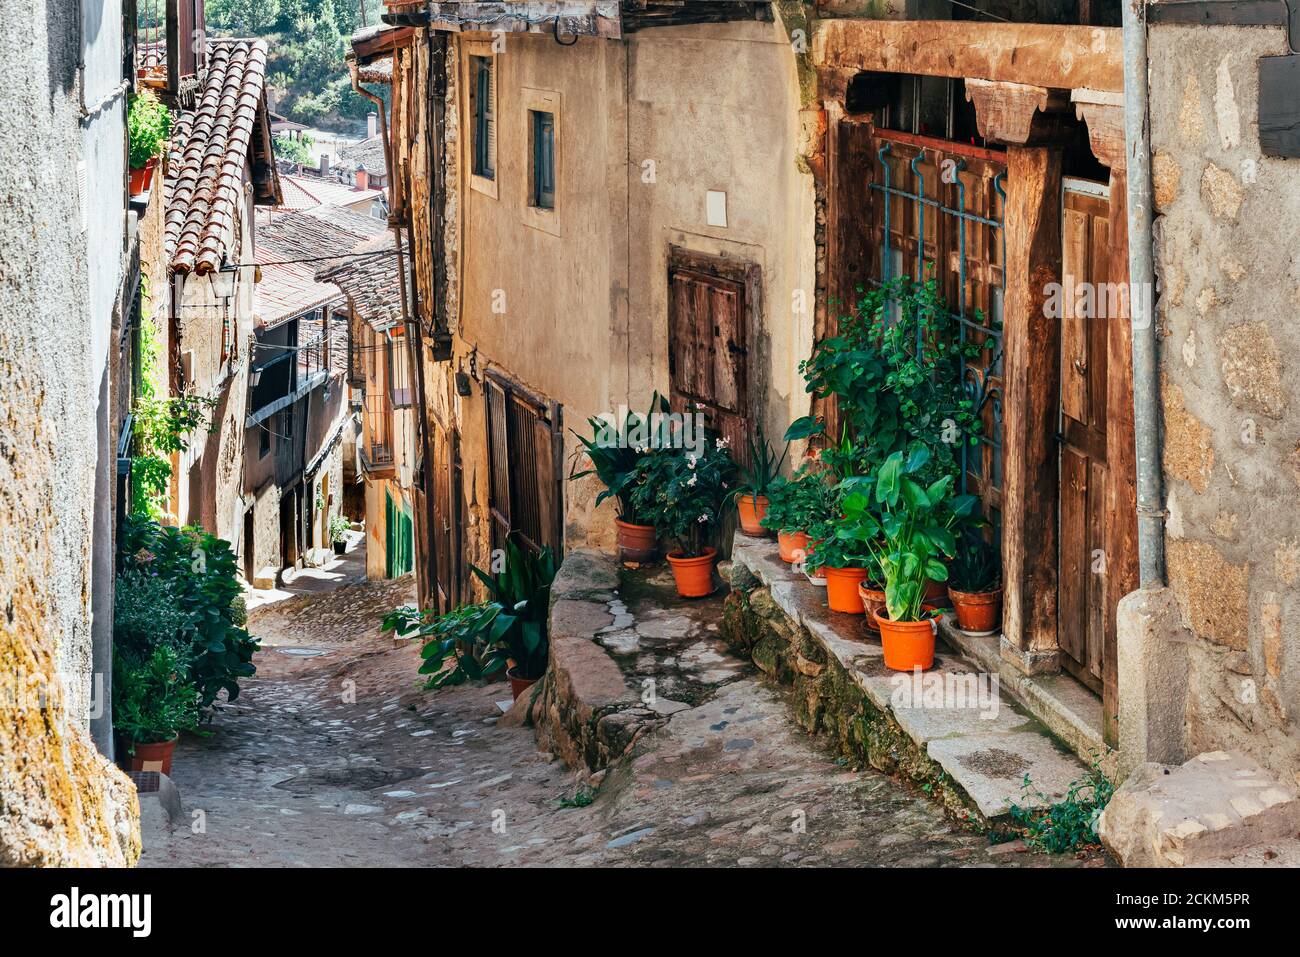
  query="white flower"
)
[
  {"x": 702, "y": 519},
  {"x": 690, "y": 461},
  {"x": 724, "y": 442},
  {"x": 691, "y": 480}
]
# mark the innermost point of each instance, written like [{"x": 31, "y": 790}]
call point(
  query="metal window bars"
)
[{"x": 984, "y": 394}]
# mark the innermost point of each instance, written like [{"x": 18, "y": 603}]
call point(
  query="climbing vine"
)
[{"x": 162, "y": 427}]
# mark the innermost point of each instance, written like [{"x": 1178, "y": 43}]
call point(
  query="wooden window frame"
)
[
  {"x": 543, "y": 218},
  {"x": 474, "y": 52}
]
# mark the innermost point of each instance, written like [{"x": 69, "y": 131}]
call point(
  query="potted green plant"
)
[
  {"x": 794, "y": 506},
  {"x": 682, "y": 492},
  {"x": 507, "y": 632},
  {"x": 975, "y": 585},
  {"x": 522, "y": 590},
  {"x": 908, "y": 528},
  {"x": 612, "y": 454},
  {"x": 842, "y": 553},
  {"x": 338, "y": 529},
  {"x": 148, "y": 124},
  {"x": 153, "y": 702},
  {"x": 756, "y": 481}
]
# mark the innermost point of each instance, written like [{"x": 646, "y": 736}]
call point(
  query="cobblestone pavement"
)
[{"x": 333, "y": 756}]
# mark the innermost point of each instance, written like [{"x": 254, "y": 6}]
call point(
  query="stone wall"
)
[
  {"x": 61, "y": 801},
  {"x": 1228, "y": 219}
]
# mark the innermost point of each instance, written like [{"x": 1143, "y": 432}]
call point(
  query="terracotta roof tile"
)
[
  {"x": 210, "y": 147},
  {"x": 372, "y": 281}
]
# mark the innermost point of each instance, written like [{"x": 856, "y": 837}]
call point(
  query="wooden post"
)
[{"x": 1032, "y": 344}]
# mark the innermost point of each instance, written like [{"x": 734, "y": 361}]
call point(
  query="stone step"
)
[
  {"x": 957, "y": 713},
  {"x": 1217, "y": 808}
]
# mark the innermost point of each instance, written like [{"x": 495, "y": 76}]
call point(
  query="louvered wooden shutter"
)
[{"x": 498, "y": 463}]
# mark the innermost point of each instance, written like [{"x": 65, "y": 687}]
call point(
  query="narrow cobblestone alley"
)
[{"x": 333, "y": 756}]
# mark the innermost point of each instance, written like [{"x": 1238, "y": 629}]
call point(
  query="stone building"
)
[
  {"x": 299, "y": 413},
  {"x": 221, "y": 166},
  {"x": 599, "y": 193}
]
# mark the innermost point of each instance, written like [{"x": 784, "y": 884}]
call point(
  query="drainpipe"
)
[{"x": 1146, "y": 389}]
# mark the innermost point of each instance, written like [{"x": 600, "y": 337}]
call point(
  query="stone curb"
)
[{"x": 585, "y": 712}]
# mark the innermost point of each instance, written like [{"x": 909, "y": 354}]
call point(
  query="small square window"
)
[
  {"x": 543, "y": 163},
  {"x": 263, "y": 441},
  {"x": 483, "y": 111}
]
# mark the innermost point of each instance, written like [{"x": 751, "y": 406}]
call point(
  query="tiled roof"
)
[
  {"x": 306, "y": 192},
  {"x": 211, "y": 145},
  {"x": 372, "y": 281},
  {"x": 290, "y": 288},
  {"x": 367, "y": 155}
]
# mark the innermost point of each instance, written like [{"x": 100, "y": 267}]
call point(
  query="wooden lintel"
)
[
  {"x": 1017, "y": 113},
  {"x": 1035, "y": 54}
]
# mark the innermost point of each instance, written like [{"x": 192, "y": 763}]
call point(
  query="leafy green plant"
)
[
  {"x": 339, "y": 528},
  {"x": 200, "y": 571},
  {"x": 906, "y": 526},
  {"x": 147, "y": 615},
  {"x": 148, "y": 123},
  {"x": 681, "y": 493},
  {"x": 977, "y": 566},
  {"x": 522, "y": 589},
  {"x": 1069, "y": 824},
  {"x": 794, "y": 503},
  {"x": 582, "y": 797},
  {"x": 894, "y": 371},
  {"x": 475, "y": 642},
  {"x": 294, "y": 150},
  {"x": 457, "y": 645},
  {"x": 764, "y": 468},
  {"x": 153, "y": 699},
  {"x": 616, "y": 449}
]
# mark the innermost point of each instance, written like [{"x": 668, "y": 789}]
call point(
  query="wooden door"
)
[
  {"x": 525, "y": 457},
  {"x": 1085, "y": 625},
  {"x": 710, "y": 305}
]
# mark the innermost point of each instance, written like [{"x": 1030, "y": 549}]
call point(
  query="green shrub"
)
[
  {"x": 1067, "y": 825},
  {"x": 153, "y": 699},
  {"x": 200, "y": 571},
  {"x": 148, "y": 124}
]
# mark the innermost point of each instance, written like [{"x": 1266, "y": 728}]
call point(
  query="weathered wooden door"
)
[
  {"x": 1085, "y": 626},
  {"x": 525, "y": 482},
  {"x": 448, "y": 522},
  {"x": 710, "y": 304}
]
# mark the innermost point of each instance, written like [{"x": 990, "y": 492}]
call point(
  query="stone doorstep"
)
[
  {"x": 1068, "y": 709},
  {"x": 986, "y": 757},
  {"x": 1218, "y": 809}
]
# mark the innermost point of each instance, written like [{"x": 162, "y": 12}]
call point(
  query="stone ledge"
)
[
  {"x": 974, "y": 759},
  {"x": 584, "y": 710}
]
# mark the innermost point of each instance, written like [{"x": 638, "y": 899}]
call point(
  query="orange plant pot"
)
[
  {"x": 793, "y": 546},
  {"x": 142, "y": 178},
  {"x": 694, "y": 576},
  {"x": 842, "y": 589},
  {"x": 873, "y": 601},
  {"x": 752, "y": 508},
  {"x": 907, "y": 644},
  {"x": 154, "y": 757},
  {"x": 935, "y": 591},
  {"x": 636, "y": 543},
  {"x": 978, "y": 612}
]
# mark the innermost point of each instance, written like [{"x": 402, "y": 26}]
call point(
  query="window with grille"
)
[{"x": 525, "y": 491}]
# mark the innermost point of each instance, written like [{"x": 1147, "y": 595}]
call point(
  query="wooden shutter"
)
[{"x": 498, "y": 463}]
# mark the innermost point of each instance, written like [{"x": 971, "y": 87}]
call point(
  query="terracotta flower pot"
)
[
  {"x": 636, "y": 543},
  {"x": 694, "y": 576},
  {"x": 153, "y": 757},
  {"x": 141, "y": 178},
  {"x": 842, "y": 589},
  {"x": 793, "y": 546},
  {"x": 907, "y": 644},
  {"x": 978, "y": 612},
  {"x": 752, "y": 508},
  {"x": 873, "y": 601},
  {"x": 519, "y": 685},
  {"x": 935, "y": 591}
]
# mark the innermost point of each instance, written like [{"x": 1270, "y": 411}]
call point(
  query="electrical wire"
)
[{"x": 958, "y": 3}]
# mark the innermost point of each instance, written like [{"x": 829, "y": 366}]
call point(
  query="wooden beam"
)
[
  {"x": 1103, "y": 113},
  {"x": 1030, "y": 53},
  {"x": 1032, "y": 408}
]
